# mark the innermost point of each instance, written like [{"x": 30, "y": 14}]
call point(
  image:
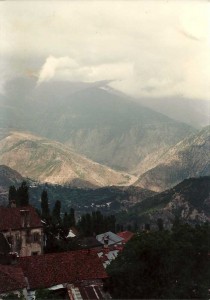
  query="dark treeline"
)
[
  {"x": 163, "y": 265},
  {"x": 19, "y": 196},
  {"x": 95, "y": 223},
  {"x": 56, "y": 223},
  {"x": 56, "y": 228}
]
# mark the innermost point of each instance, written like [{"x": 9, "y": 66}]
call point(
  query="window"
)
[
  {"x": 17, "y": 237},
  {"x": 28, "y": 236},
  {"x": 36, "y": 237}
]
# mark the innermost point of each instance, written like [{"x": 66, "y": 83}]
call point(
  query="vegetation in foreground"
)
[{"x": 163, "y": 264}]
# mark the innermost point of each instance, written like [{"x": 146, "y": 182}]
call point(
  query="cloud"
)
[
  {"x": 66, "y": 68},
  {"x": 53, "y": 65},
  {"x": 135, "y": 44}
]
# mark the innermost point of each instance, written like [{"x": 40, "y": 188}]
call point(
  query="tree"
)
[
  {"x": 95, "y": 223},
  {"x": 22, "y": 195},
  {"x": 45, "y": 205},
  {"x": 163, "y": 264},
  {"x": 72, "y": 220},
  {"x": 47, "y": 294},
  {"x": 12, "y": 194},
  {"x": 68, "y": 222},
  {"x": 56, "y": 213}
]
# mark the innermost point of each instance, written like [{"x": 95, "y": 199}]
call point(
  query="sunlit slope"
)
[{"x": 49, "y": 161}]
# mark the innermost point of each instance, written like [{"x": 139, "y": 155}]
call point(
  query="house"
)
[
  {"x": 4, "y": 250},
  {"x": 75, "y": 271},
  {"x": 126, "y": 235},
  {"x": 89, "y": 243},
  {"x": 72, "y": 233},
  {"x": 106, "y": 255},
  {"x": 109, "y": 239},
  {"x": 113, "y": 244},
  {"x": 23, "y": 229},
  {"x": 12, "y": 280},
  {"x": 93, "y": 291}
]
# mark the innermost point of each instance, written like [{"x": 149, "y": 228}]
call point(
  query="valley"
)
[
  {"x": 106, "y": 127},
  {"x": 95, "y": 148}
]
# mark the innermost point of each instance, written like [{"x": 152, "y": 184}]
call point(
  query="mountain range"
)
[
  {"x": 104, "y": 126},
  {"x": 83, "y": 199},
  {"x": 88, "y": 135},
  {"x": 44, "y": 160},
  {"x": 188, "y": 158},
  {"x": 189, "y": 201},
  {"x": 195, "y": 112}
]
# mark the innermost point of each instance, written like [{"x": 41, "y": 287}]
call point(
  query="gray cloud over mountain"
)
[{"x": 146, "y": 48}]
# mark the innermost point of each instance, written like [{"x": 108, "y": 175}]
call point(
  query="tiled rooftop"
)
[
  {"x": 10, "y": 218},
  {"x": 11, "y": 278},
  {"x": 126, "y": 235},
  {"x": 44, "y": 271}
]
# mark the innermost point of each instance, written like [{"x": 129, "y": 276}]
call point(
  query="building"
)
[
  {"x": 12, "y": 280},
  {"x": 125, "y": 235},
  {"x": 78, "y": 272},
  {"x": 113, "y": 244},
  {"x": 106, "y": 255},
  {"x": 109, "y": 239},
  {"x": 23, "y": 229},
  {"x": 89, "y": 243}
]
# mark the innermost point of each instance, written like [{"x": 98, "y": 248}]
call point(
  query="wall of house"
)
[{"x": 26, "y": 241}]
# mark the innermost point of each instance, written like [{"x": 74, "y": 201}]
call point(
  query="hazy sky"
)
[{"x": 146, "y": 48}]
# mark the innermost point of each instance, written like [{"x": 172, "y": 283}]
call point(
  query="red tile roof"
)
[
  {"x": 10, "y": 218},
  {"x": 11, "y": 279},
  {"x": 126, "y": 235},
  {"x": 46, "y": 270}
]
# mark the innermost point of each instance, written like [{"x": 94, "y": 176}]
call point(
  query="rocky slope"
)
[
  {"x": 189, "y": 158},
  {"x": 104, "y": 126},
  {"x": 48, "y": 161},
  {"x": 189, "y": 201}
]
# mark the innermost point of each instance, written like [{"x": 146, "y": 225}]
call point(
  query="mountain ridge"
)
[
  {"x": 188, "y": 158},
  {"x": 189, "y": 201},
  {"x": 45, "y": 160},
  {"x": 105, "y": 127}
]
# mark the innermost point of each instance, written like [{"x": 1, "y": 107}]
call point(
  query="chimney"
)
[
  {"x": 12, "y": 203},
  {"x": 106, "y": 241},
  {"x": 25, "y": 218}
]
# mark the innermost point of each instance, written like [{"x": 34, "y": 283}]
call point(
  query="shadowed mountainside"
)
[
  {"x": 106, "y": 127},
  {"x": 189, "y": 158},
  {"x": 189, "y": 201}
]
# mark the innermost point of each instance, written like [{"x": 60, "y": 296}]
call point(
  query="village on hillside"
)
[{"x": 27, "y": 271}]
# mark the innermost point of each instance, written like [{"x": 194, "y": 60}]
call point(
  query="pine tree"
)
[
  {"x": 56, "y": 213},
  {"x": 72, "y": 217},
  {"x": 12, "y": 195},
  {"x": 22, "y": 195},
  {"x": 45, "y": 205}
]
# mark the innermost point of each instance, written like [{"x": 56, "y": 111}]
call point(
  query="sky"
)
[{"x": 143, "y": 48}]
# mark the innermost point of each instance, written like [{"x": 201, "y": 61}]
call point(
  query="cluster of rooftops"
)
[{"x": 81, "y": 272}]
